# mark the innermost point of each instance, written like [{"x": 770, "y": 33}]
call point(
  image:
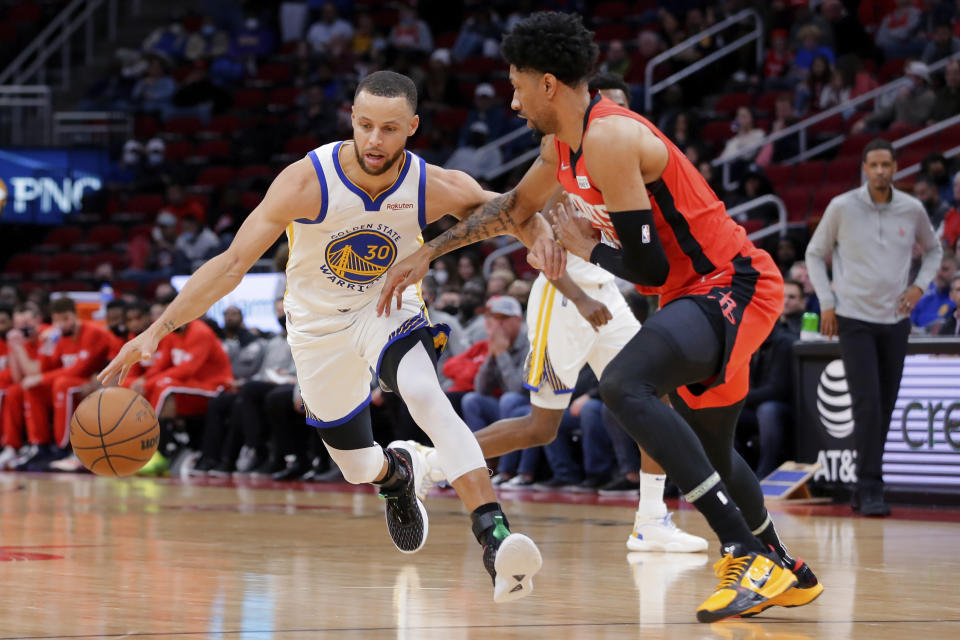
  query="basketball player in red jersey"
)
[{"x": 661, "y": 227}]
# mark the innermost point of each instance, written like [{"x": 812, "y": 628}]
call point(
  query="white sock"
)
[{"x": 651, "y": 504}]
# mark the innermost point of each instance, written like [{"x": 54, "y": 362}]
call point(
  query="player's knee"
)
[
  {"x": 358, "y": 466},
  {"x": 542, "y": 430}
]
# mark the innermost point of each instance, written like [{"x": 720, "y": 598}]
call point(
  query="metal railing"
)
[
  {"x": 800, "y": 128},
  {"x": 90, "y": 127},
  {"x": 25, "y": 114},
  {"x": 694, "y": 40},
  {"x": 780, "y": 227},
  {"x": 56, "y": 40}
]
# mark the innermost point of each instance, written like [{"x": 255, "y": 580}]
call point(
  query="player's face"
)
[
  {"x": 879, "y": 166},
  {"x": 381, "y": 127},
  {"x": 136, "y": 321},
  {"x": 66, "y": 322},
  {"x": 115, "y": 316},
  {"x": 26, "y": 321},
  {"x": 530, "y": 101},
  {"x": 617, "y": 95}
]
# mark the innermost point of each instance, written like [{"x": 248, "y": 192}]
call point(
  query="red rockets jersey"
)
[
  {"x": 196, "y": 353},
  {"x": 698, "y": 237}
]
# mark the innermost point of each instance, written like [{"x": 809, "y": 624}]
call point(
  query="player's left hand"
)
[
  {"x": 596, "y": 313},
  {"x": 548, "y": 256},
  {"x": 398, "y": 277},
  {"x": 574, "y": 232},
  {"x": 908, "y": 300}
]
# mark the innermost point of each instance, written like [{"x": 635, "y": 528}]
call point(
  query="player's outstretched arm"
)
[
  {"x": 485, "y": 218},
  {"x": 288, "y": 198}
]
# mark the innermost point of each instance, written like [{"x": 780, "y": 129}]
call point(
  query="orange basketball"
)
[{"x": 114, "y": 431}]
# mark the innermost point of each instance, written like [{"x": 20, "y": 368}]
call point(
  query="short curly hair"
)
[{"x": 552, "y": 42}]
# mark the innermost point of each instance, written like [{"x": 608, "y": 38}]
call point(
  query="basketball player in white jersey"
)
[{"x": 350, "y": 210}]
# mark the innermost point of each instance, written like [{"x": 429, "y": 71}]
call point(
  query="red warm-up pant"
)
[
  {"x": 37, "y": 402},
  {"x": 192, "y": 394}
]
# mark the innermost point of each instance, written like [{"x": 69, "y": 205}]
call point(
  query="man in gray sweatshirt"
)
[{"x": 870, "y": 233}]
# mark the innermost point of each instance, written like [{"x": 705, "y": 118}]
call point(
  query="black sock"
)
[
  {"x": 768, "y": 536},
  {"x": 484, "y": 522},
  {"x": 724, "y": 516},
  {"x": 396, "y": 472}
]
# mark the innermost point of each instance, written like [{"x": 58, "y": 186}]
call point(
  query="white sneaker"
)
[
  {"x": 7, "y": 456},
  {"x": 516, "y": 561},
  {"x": 70, "y": 464},
  {"x": 661, "y": 534},
  {"x": 425, "y": 473}
]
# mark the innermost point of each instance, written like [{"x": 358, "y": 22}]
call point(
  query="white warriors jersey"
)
[
  {"x": 586, "y": 274},
  {"x": 337, "y": 257}
]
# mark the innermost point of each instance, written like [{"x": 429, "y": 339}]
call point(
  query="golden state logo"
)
[{"x": 361, "y": 257}]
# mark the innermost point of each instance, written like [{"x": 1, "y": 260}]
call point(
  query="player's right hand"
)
[
  {"x": 137, "y": 349},
  {"x": 828, "y": 323},
  {"x": 596, "y": 313},
  {"x": 398, "y": 277}
]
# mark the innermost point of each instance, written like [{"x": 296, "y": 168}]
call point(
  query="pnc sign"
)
[{"x": 42, "y": 186}]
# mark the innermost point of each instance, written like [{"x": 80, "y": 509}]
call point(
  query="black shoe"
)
[
  {"x": 38, "y": 459},
  {"x": 590, "y": 485},
  {"x": 222, "y": 470},
  {"x": 556, "y": 484},
  {"x": 621, "y": 486},
  {"x": 269, "y": 466},
  {"x": 203, "y": 466},
  {"x": 872, "y": 503},
  {"x": 292, "y": 471},
  {"x": 407, "y": 519},
  {"x": 333, "y": 474}
]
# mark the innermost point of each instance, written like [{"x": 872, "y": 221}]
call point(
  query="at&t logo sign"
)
[{"x": 833, "y": 401}]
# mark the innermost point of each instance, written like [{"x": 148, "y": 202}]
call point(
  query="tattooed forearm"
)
[
  {"x": 493, "y": 218},
  {"x": 169, "y": 326}
]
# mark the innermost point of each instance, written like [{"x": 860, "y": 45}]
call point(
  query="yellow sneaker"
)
[
  {"x": 747, "y": 579},
  {"x": 807, "y": 589}
]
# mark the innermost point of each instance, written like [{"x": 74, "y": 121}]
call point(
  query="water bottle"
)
[
  {"x": 106, "y": 296},
  {"x": 810, "y": 327}
]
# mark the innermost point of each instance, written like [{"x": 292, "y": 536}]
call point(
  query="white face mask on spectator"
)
[{"x": 441, "y": 277}]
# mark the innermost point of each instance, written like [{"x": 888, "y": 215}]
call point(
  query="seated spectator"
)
[
  {"x": 782, "y": 148},
  {"x": 474, "y": 160},
  {"x": 499, "y": 281},
  {"x": 154, "y": 92},
  {"x": 176, "y": 202},
  {"x": 649, "y": 45},
  {"x": 926, "y": 191},
  {"x": 366, "y": 41},
  {"x": 934, "y": 166},
  {"x": 836, "y": 92},
  {"x": 799, "y": 273},
  {"x": 244, "y": 348},
  {"x": 440, "y": 89},
  {"x": 936, "y": 305},
  {"x": 897, "y": 35},
  {"x": 158, "y": 257},
  {"x": 167, "y": 41},
  {"x": 912, "y": 105},
  {"x": 322, "y": 32},
  {"x": 810, "y": 91},
  {"x": 410, "y": 33},
  {"x": 485, "y": 110},
  {"x": 951, "y": 327},
  {"x": 479, "y": 36},
  {"x": 682, "y": 131},
  {"x": 811, "y": 48},
  {"x": 779, "y": 60},
  {"x": 947, "y": 101},
  {"x": 196, "y": 241},
  {"x": 253, "y": 40},
  {"x": 615, "y": 59},
  {"x": 745, "y": 136},
  {"x": 25, "y": 344},
  {"x": 942, "y": 43},
  {"x": 794, "y": 306},
  {"x": 520, "y": 289}
]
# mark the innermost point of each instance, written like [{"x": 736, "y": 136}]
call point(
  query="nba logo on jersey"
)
[
  {"x": 645, "y": 234},
  {"x": 583, "y": 182},
  {"x": 362, "y": 256}
]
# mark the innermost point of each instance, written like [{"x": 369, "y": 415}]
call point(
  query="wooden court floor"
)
[{"x": 96, "y": 558}]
